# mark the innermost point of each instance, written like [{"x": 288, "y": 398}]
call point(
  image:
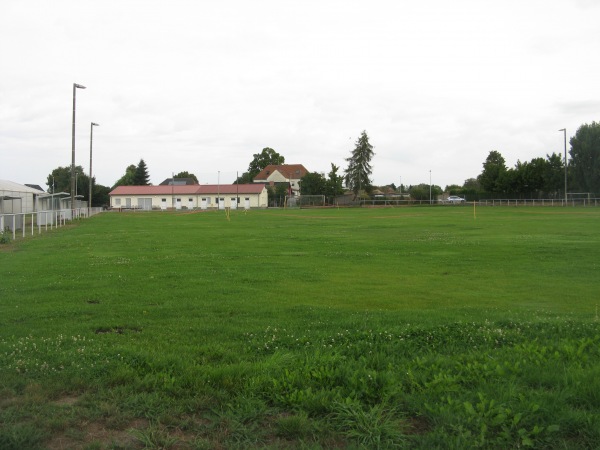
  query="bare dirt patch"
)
[
  {"x": 97, "y": 433},
  {"x": 68, "y": 400}
]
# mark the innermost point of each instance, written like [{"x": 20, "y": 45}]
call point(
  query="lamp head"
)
[
  {"x": 95, "y": 124},
  {"x": 78, "y": 86}
]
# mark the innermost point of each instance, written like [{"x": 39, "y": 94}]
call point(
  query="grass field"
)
[{"x": 343, "y": 328}]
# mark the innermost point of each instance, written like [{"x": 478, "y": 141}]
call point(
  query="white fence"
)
[
  {"x": 25, "y": 224},
  {"x": 492, "y": 202}
]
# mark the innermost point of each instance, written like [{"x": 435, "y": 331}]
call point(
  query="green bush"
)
[{"x": 5, "y": 237}]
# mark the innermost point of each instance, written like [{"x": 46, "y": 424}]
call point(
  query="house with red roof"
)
[
  {"x": 199, "y": 196},
  {"x": 290, "y": 174}
]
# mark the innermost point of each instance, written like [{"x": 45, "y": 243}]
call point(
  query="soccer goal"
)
[{"x": 304, "y": 201}]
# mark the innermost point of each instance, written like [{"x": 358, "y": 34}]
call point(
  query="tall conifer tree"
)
[
  {"x": 359, "y": 166},
  {"x": 141, "y": 177}
]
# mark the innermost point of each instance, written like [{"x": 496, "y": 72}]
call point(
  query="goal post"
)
[{"x": 304, "y": 201}]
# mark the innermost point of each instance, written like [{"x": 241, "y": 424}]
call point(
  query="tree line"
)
[
  {"x": 537, "y": 178},
  {"x": 540, "y": 177}
]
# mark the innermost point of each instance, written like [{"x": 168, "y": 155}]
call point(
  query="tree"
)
[
  {"x": 334, "y": 184},
  {"x": 245, "y": 178},
  {"x": 263, "y": 159},
  {"x": 187, "y": 175},
  {"x": 585, "y": 157},
  {"x": 421, "y": 192},
  {"x": 277, "y": 194},
  {"x": 359, "y": 165},
  {"x": 100, "y": 195},
  {"x": 59, "y": 180},
  {"x": 128, "y": 178},
  {"x": 472, "y": 184},
  {"x": 494, "y": 168},
  {"x": 554, "y": 175},
  {"x": 141, "y": 177},
  {"x": 259, "y": 161},
  {"x": 313, "y": 183}
]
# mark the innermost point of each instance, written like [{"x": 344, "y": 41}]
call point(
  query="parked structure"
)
[{"x": 204, "y": 196}]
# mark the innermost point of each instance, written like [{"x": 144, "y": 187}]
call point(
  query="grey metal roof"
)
[{"x": 6, "y": 185}]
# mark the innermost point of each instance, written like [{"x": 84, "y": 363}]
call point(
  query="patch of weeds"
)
[
  {"x": 239, "y": 423},
  {"x": 293, "y": 427},
  {"x": 375, "y": 427},
  {"x": 21, "y": 437},
  {"x": 5, "y": 237},
  {"x": 155, "y": 436}
]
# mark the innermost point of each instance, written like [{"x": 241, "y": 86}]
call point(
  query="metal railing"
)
[
  {"x": 585, "y": 202},
  {"x": 27, "y": 223}
]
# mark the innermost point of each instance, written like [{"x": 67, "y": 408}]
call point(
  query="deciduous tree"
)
[
  {"x": 186, "y": 175},
  {"x": 259, "y": 161},
  {"x": 313, "y": 183},
  {"x": 263, "y": 159},
  {"x": 59, "y": 180},
  {"x": 585, "y": 157},
  {"x": 494, "y": 168},
  {"x": 128, "y": 179}
]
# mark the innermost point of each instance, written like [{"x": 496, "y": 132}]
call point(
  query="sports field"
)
[{"x": 421, "y": 327}]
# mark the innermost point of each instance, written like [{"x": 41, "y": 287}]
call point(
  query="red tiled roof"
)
[
  {"x": 230, "y": 188},
  {"x": 201, "y": 189},
  {"x": 293, "y": 171}
]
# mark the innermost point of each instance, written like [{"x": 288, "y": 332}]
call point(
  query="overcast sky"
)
[{"x": 202, "y": 85}]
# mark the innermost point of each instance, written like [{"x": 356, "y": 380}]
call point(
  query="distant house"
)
[
  {"x": 282, "y": 173},
  {"x": 199, "y": 196},
  {"x": 179, "y": 182}
]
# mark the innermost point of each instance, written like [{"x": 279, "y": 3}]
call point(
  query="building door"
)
[
  {"x": 233, "y": 203},
  {"x": 247, "y": 203},
  {"x": 190, "y": 203},
  {"x": 203, "y": 203},
  {"x": 145, "y": 203},
  {"x": 178, "y": 203},
  {"x": 163, "y": 204},
  {"x": 221, "y": 203}
]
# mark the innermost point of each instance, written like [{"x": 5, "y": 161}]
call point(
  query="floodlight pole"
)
[
  {"x": 75, "y": 87},
  {"x": 564, "y": 130},
  {"x": 90, "y": 193},
  {"x": 430, "y": 186}
]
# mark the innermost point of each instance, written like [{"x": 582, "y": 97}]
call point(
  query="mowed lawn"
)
[{"x": 420, "y": 327}]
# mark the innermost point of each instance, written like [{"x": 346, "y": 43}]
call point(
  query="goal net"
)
[{"x": 304, "y": 201}]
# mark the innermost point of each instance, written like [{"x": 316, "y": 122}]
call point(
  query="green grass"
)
[{"x": 341, "y": 328}]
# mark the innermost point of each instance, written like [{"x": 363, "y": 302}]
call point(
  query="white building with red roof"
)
[{"x": 199, "y": 196}]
